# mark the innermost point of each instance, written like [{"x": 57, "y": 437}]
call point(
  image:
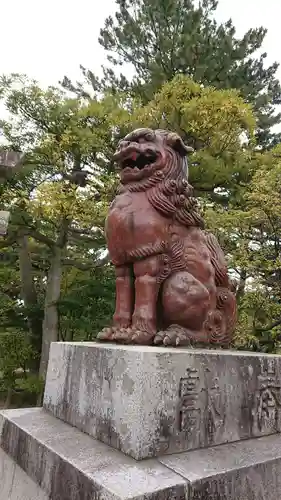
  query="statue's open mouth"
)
[
  {"x": 136, "y": 157},
  {"x": 137, "y": 160}
]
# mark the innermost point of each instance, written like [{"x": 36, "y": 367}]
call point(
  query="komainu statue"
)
[{"x": 172, "y": 286}]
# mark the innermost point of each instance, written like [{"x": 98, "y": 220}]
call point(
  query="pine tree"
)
[{"x": 163, "y": 38}]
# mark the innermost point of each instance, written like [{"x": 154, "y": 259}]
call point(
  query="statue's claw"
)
[
  {"x": 177, "y": 339},
  {"x": 143, "y": 337},
  {"x": 126, "y": 335},
  {"x": 123, "y": 335},
  {"x": 175, "y": 336},
  {"x": 159, "y": 338},
  {"x": 106, "y": 334}
]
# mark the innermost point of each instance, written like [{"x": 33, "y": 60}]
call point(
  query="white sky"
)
[{"x": 48, "y": 39}]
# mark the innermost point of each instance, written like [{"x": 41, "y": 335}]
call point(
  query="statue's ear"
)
[{"x": 177, "y": 144}]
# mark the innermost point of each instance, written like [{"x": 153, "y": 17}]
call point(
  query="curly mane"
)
[{"x": 168, "y": 190}]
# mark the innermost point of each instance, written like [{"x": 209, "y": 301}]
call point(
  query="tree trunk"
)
[
  {"x": 29, "y": 297},
  {"x": 241, "y": 286},
  {"x": 8, "y": 399},
  {"x": 69, "y": 335},
  {"x": 50, "y": 331},
  {"x": 51, "y": 319}
]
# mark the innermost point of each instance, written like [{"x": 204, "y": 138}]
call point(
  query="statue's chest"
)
[
  {"x": 130, "y": 208},
  {"x": 131, "y": 216},
  {"x": 124, "y": 203}
]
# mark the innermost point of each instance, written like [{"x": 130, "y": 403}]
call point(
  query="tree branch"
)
[
  {"x": 62, "y": 237},
  {"x": 269, "y": 327},
  {"x": 86, "y": 266},
  {"x": 89, "y": 232},
  {"x": 7, "y": 242},
  {"x": 83, "y": 237},
  {"x": 87, "y": 235},
  {"x": 41, "y": 237}
]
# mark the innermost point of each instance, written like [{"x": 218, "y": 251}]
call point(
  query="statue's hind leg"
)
[{"x": 186, "y": 303}]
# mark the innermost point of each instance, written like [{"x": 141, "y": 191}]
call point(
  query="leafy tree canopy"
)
[{"x": 159, "y": 40}]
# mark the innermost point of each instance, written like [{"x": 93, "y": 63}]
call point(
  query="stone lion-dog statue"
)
[{"x": 172, "y": 284}]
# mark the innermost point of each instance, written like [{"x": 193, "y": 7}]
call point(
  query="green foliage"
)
[
  {"x": 15, "y": 353},
  {"x": 15, "y": 356},
  {"x": 257, "y": 308},
  {"x": 11, "y": 310},
  {"x": 211, "y": 121},
  {"x": 250, "y": 235},
  {"x": 58, "y": 201},
  {"x": 30, "y": 384},
  {"x": 163, "y": 39},
  {"x": 87, "y": 302},
  {"x": 208, "y": 117}
]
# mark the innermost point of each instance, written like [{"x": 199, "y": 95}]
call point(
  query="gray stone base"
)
[
  {"x": 15, "y": 484},
  {"x": 151, "y": 401},
  {"x": 49, "y": 459},
  {"x": 247, "y": 470},
  {"x": 69, "y": 465}
]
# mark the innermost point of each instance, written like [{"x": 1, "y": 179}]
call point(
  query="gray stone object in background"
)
[
  {"x": 10, "y": 163},
  {"x": 4, "y": 222},
  {"x": 10, "y": 159},
  {"x": 152, "y": 401}
]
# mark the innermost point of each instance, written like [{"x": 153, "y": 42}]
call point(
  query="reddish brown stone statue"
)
[{"x": 172, "y": 285}]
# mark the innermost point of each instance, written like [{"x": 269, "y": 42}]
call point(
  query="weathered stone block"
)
[
  {"x": 69, "y": 465},
  {"x": 15, "y": 484},
  {"x": 150, "y": 401},
  {"x": 42, "y": 457},
  {"x": 248, "y": 470}
]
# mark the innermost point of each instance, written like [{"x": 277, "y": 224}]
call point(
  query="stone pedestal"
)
[
  {"x": 142, "y": 423},
  {"x": 152, "y": 401}
]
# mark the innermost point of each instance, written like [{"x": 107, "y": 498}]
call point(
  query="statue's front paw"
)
[
  {"x": 121, "y": 321},
  {"x": 106, "y": 334},
  {"x": 123, "y": 335},
  {"x": 144, "y": 330},
  {"x": 133, "y": 335},
  {"x": 143, "y": 337},
  {"x": 174, "y": 336}
]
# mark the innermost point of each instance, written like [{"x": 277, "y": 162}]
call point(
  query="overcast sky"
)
[{"x": 48, "y": 39}]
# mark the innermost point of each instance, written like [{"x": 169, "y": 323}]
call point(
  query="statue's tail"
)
[
  {"x": 218, "y": 261},
  {"x": 226, "y": 300}
]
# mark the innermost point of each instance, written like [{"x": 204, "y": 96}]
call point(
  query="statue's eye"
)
[{"x": 149, "y": 137}]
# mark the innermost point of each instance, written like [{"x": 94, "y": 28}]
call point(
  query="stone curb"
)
[{"x": 69, "y": 465}]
